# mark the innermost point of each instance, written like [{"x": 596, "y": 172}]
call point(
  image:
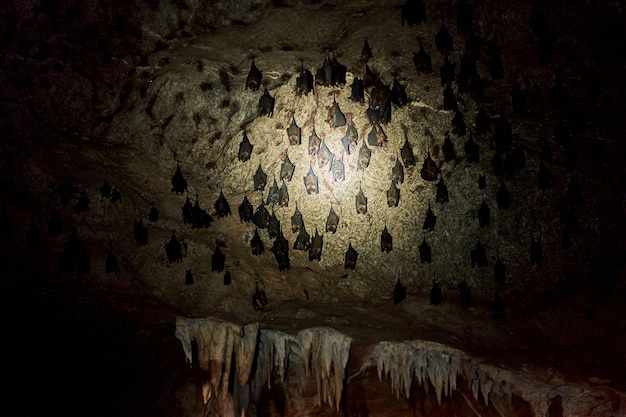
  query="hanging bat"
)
[
  {"x": 436, "y": 295},
  {"x": 266, "y": 104},
  {"x": 324, "y": 75},
  {"x": 141, "y": 233},
  {"x": 482, "y": 182},
  {"x": 472, "y": 152},
  {"x": 406, "y": 153},
  {"x": 447, "y": 72},
  {"x": 105, "y": 190},
  {"x": 443, "y": 40},
  {"x": 338, "y": 169},
  {"x": 399, "y": 292},
  {"x": 338, "y": 72},
  {"x": 280, "y": 249},
  {"x": 386, "y": 241},
  {"x": 458, "y": 124},
  {"x": 449, "y": 99},
  {"x": 397, "y": 172},
  {"x": 188, "y": 277},
  {"x": 430, "y": 171},
  {"x": 332, "y": 221},
  {"x": 429, "y": 220},
  {"x": 296, "y": 220},
  {"x": 465, "y": 292},
  {"x": 286, "y": 169},
  {"x": 66, "y": 192},
  {"x": 261, "y": 217},
  {"x": 116, "y": 196},
  {"x": 200, "y": 219},
  {"x": 221, "y": 205},
  {"x": 259, "y": 298},
  {"x": 111, "y": 264},
  {"x": 273, "y": 228},
  {"x": 245, "y": 148},
  {"x": 173, "y": 249},
  {"x": 467, "y": 72},
  {"x": 425, "y": 252},
  {"x": 448, "y": 149},
  {"x": 350, "y": 258},
  {"x": 253, "y": 80},
  {"x": 337, "y": 118},
  {"x": 187, "y": 211},
  {"x": 82, "y": 205},
  {"x": 310, "y": 182},
  {"x": 304, "y": 82},
  {"x": 536, "y": 252},
  {"x": 393, "y": 195},
  {"x": 357, "y": 91},
  {"x": 484, "y": 215},
  {"x": 245, "y": 210},
  {"x": 499, "y": 271},
  {"x": 380, "y": 99},
  {"x": 503, "y": 197},
  {"x": 398, "y": 93},
  {"x": 217, "y": 260},
  {"x": 314, "y": 143},
  {"x": 179, "y": 183},
  {"x": 483, "y": 121},
  {"x": 377, "y": 136},
  {"x": 497, "y": 307},
  {"x": 273, "y": 196},
  {"x": 442, "y": 192},
  {"x": 351, "y": 137},
  {"x": 315, "y": 251},
  {"x": 366, "y": 53},
  {"x": 413, "y": 12},
  {"x": 361, "y": 202},
  {"x": 256, "y": 244},
  {"x": 421, "y": 60},
  {"x": 227, "y": 278},
  {"x": 294, "y": 133},
  {"x": 324, "y": 156},
  {"x": 518, "y": 100},
  {"x": 303, "y": 240},
  {"x": 364, "y": 157},
  {"x": 373, "y": 115},
  {"x": 478, "y": 256},
  {"x": 260, "y": 179},
  {"x": 283, "y": 195}
]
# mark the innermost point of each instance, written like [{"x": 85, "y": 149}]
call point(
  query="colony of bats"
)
[{"x": 503, "y": 157}]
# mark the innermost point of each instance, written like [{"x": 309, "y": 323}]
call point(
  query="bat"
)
[
  {"x": 188, "y": 277},
  {"x": 351, "y": 137},
  {"x": 296, "y": 220},
  {"x": 361, "y": 202},
  {"x": 303, "y": 240},
  {"x": 273, "y": 228},
  {"x": 260, "y": 179},
  {"x": 280, "y": 249},
  {"x": 429, "y": 220},
  {"x": 425, "y": 252},
  {"x": 273, "y": 195},
  {"x": 179, "y": 183},
  {"x": 544, "y": 177},
  {"x": 337, "y": 118},
  {"x": 380, "y": 99},
  {"x": 386, "y": 241},
  {"x": 283, "y": 195},
  {"x": 173, "y": 249},
  {"x": 484, "y": 215},
  {"x": 253, "y": 80},
  {"x": 448, "y": 149},
  {"x": 357, "y": 91},
  {"x": 373, "y": 115},
  {"x": 304, "y": 82},
  {"x": 227, "y": 278},
  {"x": 398, "y": 93},
  {"x": 443, "y": 40},
  {"x": 105, "y": 190},
  {"x": 141, "y": 233},
  {"x": 393, "y": 195},
  {"x": 478, "y": 256},
  {"x": 256, "y": 244},
  {"x": 245, "y": 148},
  {"x": 199, "y": 217},
  {"x": 310, "y": 182},
  {"x": 472, "y": 152},
  {"x": 399, "y": 292},
  {"x": 499, "y": 271},
  {"x": 294, "y": 133},
  {"x": 286, "y": 169},
  {"x": 422, "y": 61},
  {"x": 465, "y": 292},
  {"x": 467, "y": 72},
  {"x": 71, "y": 248},
  {"x": 406, "y": 153},
  {"x": 482, "y": 182},
  {"x": 366, "y": 53},
  {"x": 332, "y": 221},
  {"x": 397, "y": 172},
  {"x": 413, "y": 12},
  {"x": 259, "y": 298},
  {"x": 449, "y": 99},
  {"x": 483, "y": 121},
  {"x": 503, "y": 134},
  {"x": 503, "y": 197},
  {"x": 459, "y": 127},
  {"x": 464, "y": 18},
  {"x": 350, "y": 258},
  {"x": 518, "y": 100},
  {"x": 315, "y": 250},
  {"x": 364, "y": 157},
  {"x": 338, "y": 169},
  {"x": 436, "y": 295},
  {"x": 261, "y": 217},
  {"x": 66, "y": 192},
  {"x": 266, "y": 104},
  {"x": 430, "y": 171},
  {"x": 55, "y": 224},
  {"x": 217, "y": 260},
  {"x": 82, "y": 205},
  {"x": 314, "y": 143},
  {"x": 245, "y": 210},
  {"x": 324, "y": 156},
  {"x": 536, "y": 252},
  {"x": 447, "y": 72},
  {"x": 331, "y": 72},
  {"x": 221, "y": 205},
  {"x": 497, "y": 307},
  {"x": 116, "y": 196},
  {"x": 442, "y": 192},
  {"x": 377, "y": 136},
  {"x": 111, "y": 264}
]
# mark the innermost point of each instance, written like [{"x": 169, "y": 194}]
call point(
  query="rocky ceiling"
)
[{"x": 476, "y": 186}]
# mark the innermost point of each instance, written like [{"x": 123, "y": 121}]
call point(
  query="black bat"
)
[
  {"x": 253, "y": 80},
  {"x": 259, "y": 298},
  {"x": 221, "y": 205},
  {"x": 187, "y": 211},
  {"x": 483, "y": 121},
  {"x": 286, "y": 169},
  {"x": 544, "y": 177},
  {"x": 448, "y": 149},
  {"x": 366, "y": 53},
  {"x": 406, "y": 153},
  {"x": 245, "y": 210},
  {"x": 399, "y": 292},
  {"x": 473, "y": 46},
  {"x": 280, "y": 249},
  {"x": 503, "y": 197},
  {"x": 397, "y": 172},
  {"x": 331, "y": 72},
  {"x": 459, "y": 127},
  {"x": 260, "y": 179},
  {"x": 497, "y": 307},
  {"x": 413, "y": 12},
  {"x": 503, "y": 134},
  {"x": 324, "y": 156},
  {"x": 296, "y": 220},
  {"x": 482, "y": 182},
  {"x": 200, "y": 219},
  {"x": 332, "y": 221},
  {"x": 310, "y": 182},
  {"x": 304, "y": 82},
  {"x": 350, "y": 258},
  {"x": 373, "y": 115},
  {"x": 447, "y": 72},
  {"x": 361, "y": 202},
  {"x": 256, "y": 244},
  {"x": 273, "y": 195},
  {"x": 338, "y": 169},
  {"x": 425, "y": 252},
  {"x": 82, "y": 205},
  {"x": 227, "y": 278},
  {"x": 261, "y": 217},
  {"x": 141, "y": 233},
  {"x": 422, "y": 61},
  {"x": 464, "y": 18},
  {"x": 377, "y": 136},
  {"x": 443, "y": 40},
  {"x": 465, "y": 292},
  {"x": 436, "y": 295},
  {"x": 393, "y": 195},
  {"x": 518, "y": 100},
  {"x": 245, "y": 148},
  {"x": 364, "y": 157},
  {"x": 179, "y": 183},
  {"x": 55, "y": 224},
  {"x": 116, "y": 196},
  {"x": 430, "y": 171},
  {"x": 484, "y": 215},
  {"x": 283, "y": 195},
  {"x": 188, "y": 277},
  {"x": 449, "y": 99},
  {"x": 499, "y": 271},
  {"x": 478, "y": 256},
  {"x": 303, "y": 240},
  {"x": 398, "y": 94},
  {"x": 273, "y": 228},
  {"x": 442, "y": 192},
  {"x": 338, "y": 72},
  {"x": 380, "y": 99},
  {"x": 72, "y": 250},
  {"x": 536, "y": 251},
  {"x": 337, "y": 117},
  {"x": 111, "y": 264},
  {"x": 105, "y": 190},
  {"x": 173, "y": 249},
  {"x": 266, "y": 104},
  {"x": 472, "y": 152},
  {"x": 429, "y": 220},
  {"x": 357, "y": 91},
  {"x": 314, "y": 143},
  {"x": 294, "y": 133},
  {"x": 217, "y": 260},
  {"x": 351, "y": 137},
  {"x": 386, "y": 241},
  {"x": 66, "y": 192},
  {"x": 315, "y": 251}
]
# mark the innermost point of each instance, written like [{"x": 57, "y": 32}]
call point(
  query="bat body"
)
[
  {"x": 324, "y": 156},
  {"x": 499, "y": 271},
  {"x": 283, "y": 195},
  {"x": 221, "y": 206},
  {"x": 141, "y": 233},
  {"x": 397, "y": 172},
  {"x": 217, "y": 260},
  {"x": 253, "y": 80},
  {"x": 361, "y": 202},
  {"x": 422, "y": 61},
  {"x": 266, "y": 104},
  {"x": 286, "y": 169},
  {"x": 430, "y": 171},
  {"x": 459, "y": 127},
  {"x": 179, "y": 183},
  {"x": 483, "y": 121},
  {"x": 260, "y": 179},
  {"x": 449, "y": 99},
  {"x": 200, "y": 219},
  {"x": 245, "y": 148},
  {"x": 173, "y": 249},
  {"x": 338, "y": 169},
  {"x": 398, "y": 94},
  {"x": 436, "y": 295},
  {"x": 332, "y": 221},
  {"x": 413, "y": 12},
  {"x": 304, "y": 82},
  {"x": 297, "y": 222},
  {"x": 188, "y": 277},
  {"x": 497, "y": 307},
  {"x": 111, "y": 264},
  {"x": 337, "y": 117},
  {"x": 357, "y": 91},
  {"x": 386, "y": 241},
  {"x": 443, "y": 40},
  {"x": 280, "y": 249},
  {"x": 448, "y": 149},
  {"x": 442, "y": 192},
  {"x": 314, "y": 143},
  {"x": 261, "y": 217},
  {"x": 350, "y": 258},
  {"x": 399, "y": 292},
  {"x": 503, "y": 197},
  {"x": 273, "y": 195},
  {"x": 478, "y": 256},
  {"x": 303, "y": 240},
  {"x": 366, "y": 53},
  {"x": 256, "y": 244},
  {"x": 447, "y": 72},
  {"x": 393, "y": 195},
  {"x": 315, "y": 251},
  {"x": 472, "y": 152},
  {"x": 484, "y": 215},
  {"x": 536, "y": 251},
  {"x": 245, "y": 210},
  {"x": 273, "y": 228},
  {"x": 430, "y": 220},
  {"x": 294, "y": 133},
  {"x": 425, "y": 252},
  {"x": 310, "y": 182},
  {"x": 406, "y": 153},
  {"x": 364, "y": 157},
  {"x": 465, "y": 292}
]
